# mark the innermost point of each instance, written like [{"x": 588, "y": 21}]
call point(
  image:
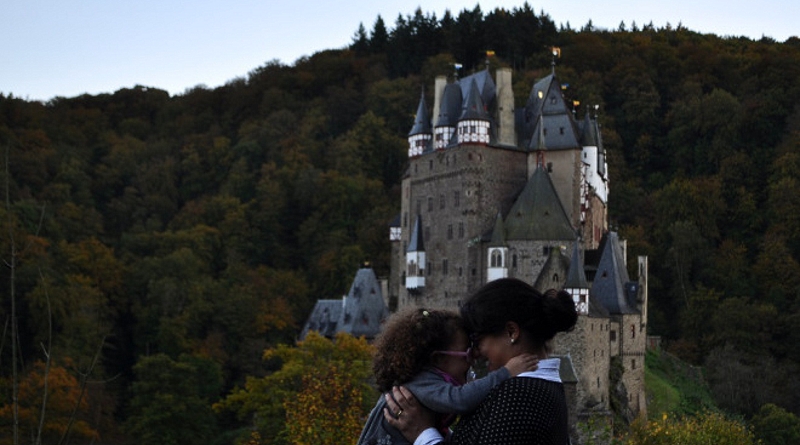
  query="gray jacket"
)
[{"x": 435, "y": 393}]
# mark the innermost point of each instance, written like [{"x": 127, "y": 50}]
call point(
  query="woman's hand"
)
[
  {"x": 405, "y": 413},
  {"x": 522, "y": 363}
]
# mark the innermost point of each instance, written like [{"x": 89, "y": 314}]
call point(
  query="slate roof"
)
[
  {"x": 576, "y": 276},
  {"x": 611, "y": 286},
  {"x": 450, "y": 108},
  {"x": 474, "y": 106},
  {"x": 359, "y": 313},
  {"x": 422, "y": 121},
  {"x": 549, "y": 116},
  {"x": 537, "y": 213},
  {"x": 415, "y": 243}
]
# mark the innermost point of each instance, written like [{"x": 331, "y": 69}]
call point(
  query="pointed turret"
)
[
  {"x": 415, "y": 258},
  {"x": 474, "y": 122},
  {"x": 576, "y": 283},
  {"x": 497, "y": 252},
  {"x": 611, "y": 286},
  {"x": 447, "y": 120},
  {"x": 420, "y": 136}
]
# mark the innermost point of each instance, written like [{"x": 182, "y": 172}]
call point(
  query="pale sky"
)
[{"x": 65, "y": 48}]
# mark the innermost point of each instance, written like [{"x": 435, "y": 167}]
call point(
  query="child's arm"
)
[{"x": 443, "y": 397}]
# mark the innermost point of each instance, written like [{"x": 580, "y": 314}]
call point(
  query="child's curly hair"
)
[{"x": 407, "y": 342}]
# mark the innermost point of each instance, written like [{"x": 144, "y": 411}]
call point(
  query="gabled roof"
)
[
  {"x": 538, "y": 214},
  {"x": 415, "y": 243},
  {"x": 422, "y": 121},
  {"x": 611, "y": 286},
  {"x": 549, "y": 115}
]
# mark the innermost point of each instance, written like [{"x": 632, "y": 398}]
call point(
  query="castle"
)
[
  {"x": 495, "y": 191},
  {"x": 491, "y": 191}
]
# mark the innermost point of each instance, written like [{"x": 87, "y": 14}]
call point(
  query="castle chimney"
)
[
  {"x": 438, "y": 91},
  {"x": 506, "y": 133}
]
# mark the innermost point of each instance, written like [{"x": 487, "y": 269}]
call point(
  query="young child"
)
[{"x": 428, "y": 352}]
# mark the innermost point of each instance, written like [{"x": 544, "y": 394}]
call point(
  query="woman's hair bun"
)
[{"x": 559, "y": 310}]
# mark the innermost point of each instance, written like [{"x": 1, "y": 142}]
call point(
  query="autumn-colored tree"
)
[
  {"x": 324, "y": 380},
  {"x": 705, "y": 428},
  {"x": 50, "y": 406}
]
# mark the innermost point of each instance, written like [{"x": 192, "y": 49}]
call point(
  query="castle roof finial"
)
[{"x": 556, "y": 53}]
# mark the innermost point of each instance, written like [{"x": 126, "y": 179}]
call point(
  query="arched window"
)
[{"x": 496, "y": 258}]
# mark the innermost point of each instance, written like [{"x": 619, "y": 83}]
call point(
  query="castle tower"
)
[
  {"x": 497, "y": 253},
  {"x": 474, "y": 123},
  {"x": 420, "y": 137},
  {"x": 576, "y": 283}
]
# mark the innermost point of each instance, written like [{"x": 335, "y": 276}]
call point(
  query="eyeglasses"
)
[{"x": 466, "y": 354}]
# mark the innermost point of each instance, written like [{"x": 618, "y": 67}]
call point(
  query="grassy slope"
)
[{"x": 674, "y": 387}]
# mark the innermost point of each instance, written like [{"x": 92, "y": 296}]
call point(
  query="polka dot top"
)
[{"x": 521, "y": 410}]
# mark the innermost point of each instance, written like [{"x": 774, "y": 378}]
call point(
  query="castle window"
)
[
  {"x": 456, "y": 198},
  {"x": 598, "y": 382},
  {"x": 561, "y": 130},
  {"x": 633, "y": 363},
  {"x": 555, "y": 278},
  {"x": 430, "y": 164},
  {"x": 613, "y": 336},
  {"x": 496, "y": 258},
  {"x": 405, "y": 219},
  {"x": 412, "y": 269},
  {"x": 545, "y": 250},
  {"x": 474, "y": 272},
  {"x": 449, "y": 231},
  {"x": 461, "y": 230},
  {"x": 430, "y": 204},
  {"x": 460, "y": 271},
  {"x": 633, "y": 331},
  {"x": 429, "y": 267},
  {"x": 514, "y": 261},
  {"x": 427, "y": 232},
  {"x": 444, "y": 267},
  {"x": 419, "y": 206},
  {"x": 441, "y": 201}
]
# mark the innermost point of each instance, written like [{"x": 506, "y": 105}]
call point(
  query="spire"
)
[
  {"x": 576, "y": 277},
  {"x": 415, "y": 244},
  {"x": 422, "y": 122}
]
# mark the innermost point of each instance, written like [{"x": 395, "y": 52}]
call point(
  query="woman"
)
[{"x": 506, "y": 318}]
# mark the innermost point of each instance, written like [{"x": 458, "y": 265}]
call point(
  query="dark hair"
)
[
  {"x": 405, "y": 345},
  {"x": 508, "y": 299}
]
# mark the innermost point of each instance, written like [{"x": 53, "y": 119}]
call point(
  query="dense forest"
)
[{"x": 155, "y": 246}]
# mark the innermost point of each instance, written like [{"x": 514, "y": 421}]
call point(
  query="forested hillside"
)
[{"x": 175, "y": 238}]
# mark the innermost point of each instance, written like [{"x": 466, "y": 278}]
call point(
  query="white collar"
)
[{"x": 548, "y": 370}]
